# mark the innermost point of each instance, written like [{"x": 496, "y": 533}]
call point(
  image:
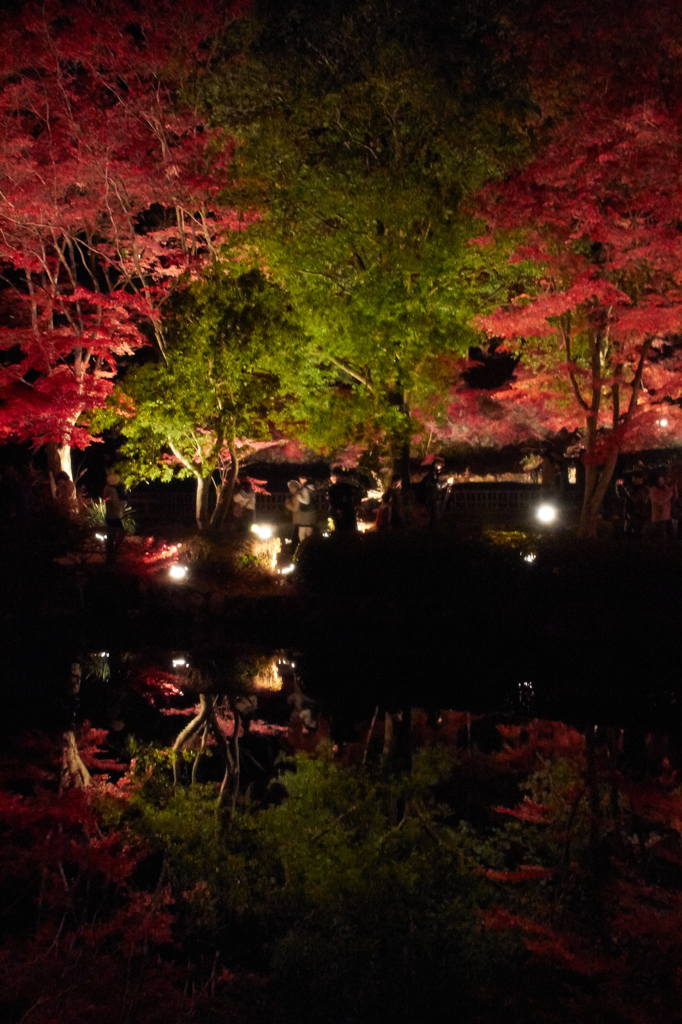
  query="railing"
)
[
  {"x": 465, "y": 501},
  {"x": 179, "y": 507},
  {"x": 175, "y": 507},
  {"x": 493, "y": 500}
]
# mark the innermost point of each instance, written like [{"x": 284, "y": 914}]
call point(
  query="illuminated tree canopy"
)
[
  {"x": 347, "y": 154},
  {"x": 235, "y": 358},
  {"x": 108, "y": 191},
  {"x": 359, "y": 131},
  {"x": 599, "y": 334}
]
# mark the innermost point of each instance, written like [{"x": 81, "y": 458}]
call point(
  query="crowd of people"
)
[
  {"x": 343, "y": 496},
  {"x": 651, "y": 506},
  {"x": 650, "y": 503},
  {"x": 422, "y": 505}
]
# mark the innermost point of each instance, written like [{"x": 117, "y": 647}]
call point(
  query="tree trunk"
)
[
  {"x": 190, "y": 730},
  {"x": 201, "y": 509},
  {"x": 590, "y": 511},
  {"x": 59, "y": 458},
  {"x": 588, "y": 522},
  {"x": 595, "y": 489},
  {"x": 226, "y": 491},
  {"x": 73, "y": 772},
  {"x": 400, "y": 457}
]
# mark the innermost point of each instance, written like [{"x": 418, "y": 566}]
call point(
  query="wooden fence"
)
[
  {"x": 493, "y": 501},
  {"x": 496, "y": 503}
]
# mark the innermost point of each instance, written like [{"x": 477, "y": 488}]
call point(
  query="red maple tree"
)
[
  {"x": 108, "y": 195},
  {"x": 594, "y": 225}
]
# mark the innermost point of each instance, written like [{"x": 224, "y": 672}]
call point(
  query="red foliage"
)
[
  {"x": 108, "y": 195},
  {"x": 599, "y": 211},
  {"x": 84, "y": 930},
  {"x": 527, "y": 811},
  {"x": 531, "y": 743},
  {"x": 524, "y": 873},
  {"x": 545, "y": 941},
  {"x": 156, "y": 687},
  {"x": 149, "y": 557}
]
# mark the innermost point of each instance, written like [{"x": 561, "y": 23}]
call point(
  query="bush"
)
[{"x": 353, "y": 915}]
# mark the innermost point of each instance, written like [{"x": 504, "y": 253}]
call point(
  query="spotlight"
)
[
  {"x": 101, "y": 537},
  {"x": 262, "y": 531},
  {"x": 179, "y": 662},
  {"x": 178, "y": 572},
  {"x": 286, "y": 569},
  {"x": 663, "y": 423},
  {"x": 546, "y": 513}
]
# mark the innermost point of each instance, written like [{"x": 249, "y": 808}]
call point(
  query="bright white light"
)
[
  {"x": 179, "y": 662},
  {"x": 177, "y": 572},
  {"x": 262, "y": 531},
  {"x": 529, "y": 557},
  {"x": 104, "y": 654},
  {"x": 324, "y": 535},
  {"x": 546, "y": 513},
  {"x": 286, "y": 569},
  {"x": 100, "y": 536},
  {"x": 663, "y": 423}
]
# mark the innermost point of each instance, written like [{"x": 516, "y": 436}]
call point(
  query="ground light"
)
[
  {"x": 286, "y": 569},
  {"x": 546, "y": 513},
  {"x": 262, "y": 531},
  {"x": 663, "y": 423},
  {"x": 179, "y": 662},
  {"x": 178, "y": 572},
  {"x": 101, "y": 537}
]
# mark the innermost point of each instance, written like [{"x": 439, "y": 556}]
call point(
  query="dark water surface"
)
[{"x": 576, "y": 634}]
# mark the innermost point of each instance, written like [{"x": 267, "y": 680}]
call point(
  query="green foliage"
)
[
  {"x": 357, "y": 912},
  {"x": 94, "y": 513},
  {"x": 234, "y": 354},
  {"x": 361, "y": 129}
]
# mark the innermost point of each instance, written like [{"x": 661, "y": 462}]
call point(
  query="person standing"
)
[
  {"x": 291, "y": 504},
  {"x": 661, "y": 496},
  {"x": 307, "y": 513},
  {"x": 244, "y": 503},
  {"x": 64, "y": 493},
  {"x": 433, "y": 490},
  {"x": 114, "y": 506},
  {"x": 341, "y": 496},
  {"x": 635, "y": 497}
]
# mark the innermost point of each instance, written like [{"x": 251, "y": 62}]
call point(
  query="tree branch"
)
[
  {"x": 351, "y": 373},
  {"x": 567, "y": 345},
  {"x": 637, "y": 382}
]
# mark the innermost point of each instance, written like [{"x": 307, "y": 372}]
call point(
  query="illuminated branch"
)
[
  {"x": 567, "y": 345},
  {"x": 351, "y": 373}
]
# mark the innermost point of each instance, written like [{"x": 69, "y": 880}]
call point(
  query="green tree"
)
[
  {"x": 234, "y": 363},
  {"x": 361, "y": 128}
]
